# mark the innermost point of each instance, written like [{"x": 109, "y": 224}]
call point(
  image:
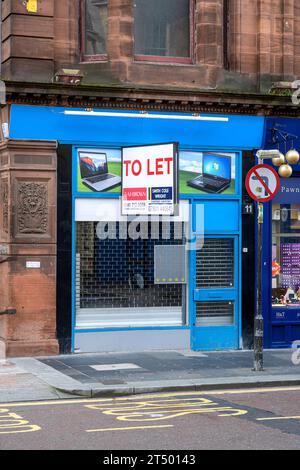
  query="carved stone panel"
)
[{"x": 32, "y": 216}]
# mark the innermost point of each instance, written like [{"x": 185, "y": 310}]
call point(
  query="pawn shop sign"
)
[{"x": 262, "y": 183}]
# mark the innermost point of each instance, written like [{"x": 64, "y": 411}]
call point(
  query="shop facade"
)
[
  {"x": 281, "y": 251},
  {"x": 186, "y": 281}
]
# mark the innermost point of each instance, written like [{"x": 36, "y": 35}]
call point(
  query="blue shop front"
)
[
  {"x": 173, "y": 283},
  {"x": 281, "y": 247}
]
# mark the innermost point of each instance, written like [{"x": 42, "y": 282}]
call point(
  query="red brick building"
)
[{"x": 198, "y": 56}]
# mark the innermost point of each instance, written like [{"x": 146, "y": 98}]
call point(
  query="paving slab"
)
[
  {"x": 18, "y": 384},
  {"x": 117, "y": 374}
]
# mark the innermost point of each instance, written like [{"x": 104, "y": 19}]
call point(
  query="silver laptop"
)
[{"x": 94, "y": 171}]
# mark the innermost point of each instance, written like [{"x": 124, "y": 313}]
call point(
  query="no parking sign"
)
[{"x": 262, "y": 183}]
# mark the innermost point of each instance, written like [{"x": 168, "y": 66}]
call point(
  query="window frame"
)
[
  {"x": 226, "y": 33},
  {"x": 169, "y": 59},
  {"x": 277, "y": 236},
  {"x": 84, "y": 57}
]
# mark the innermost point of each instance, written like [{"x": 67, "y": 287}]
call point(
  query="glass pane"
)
[
  {"x": 162, "y": 28},
  {"x": 95, "y": 27},
  {"x": 286, "y": 255},
  {"x": 115, "y": 278},
  {"x": 215, "y": 313}
]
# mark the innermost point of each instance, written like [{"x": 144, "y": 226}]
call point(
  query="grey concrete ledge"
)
[
  {"x": 62, "y": 385},
  {"x": 177, "y": 386}
]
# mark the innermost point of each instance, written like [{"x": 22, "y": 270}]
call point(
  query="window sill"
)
[
  {"x": 155, "y": 60},
  {"x": 94, "y": 59}
]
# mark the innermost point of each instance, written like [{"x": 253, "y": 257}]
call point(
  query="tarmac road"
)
[{"x": 238, "y": 419}]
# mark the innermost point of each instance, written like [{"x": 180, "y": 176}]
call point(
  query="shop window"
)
[
  {"x": 286, "y": 255},
  {"x": 94, "y": 29},
  {"x": 163, "y": 30},
  {"x": 115, "y": 278}
]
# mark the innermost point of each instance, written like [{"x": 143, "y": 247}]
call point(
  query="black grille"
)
[
  {"x": 219, "y": 313},
  {"x": 119, "y": 273},
  {"x": 215, "y": 264}
]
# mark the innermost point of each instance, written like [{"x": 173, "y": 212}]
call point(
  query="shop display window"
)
[
  {"x": 286, "y": 255},
  {"x": 115, "y": 278}
]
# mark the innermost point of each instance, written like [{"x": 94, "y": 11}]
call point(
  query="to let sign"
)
[{"x": 149, "y": 179}]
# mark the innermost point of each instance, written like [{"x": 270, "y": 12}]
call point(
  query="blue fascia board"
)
[
  {"x": 285, "y": 125},
  {"x": 50, "y": 123}
]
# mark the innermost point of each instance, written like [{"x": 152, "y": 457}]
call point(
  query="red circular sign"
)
[{"x": 264, "y": 180}]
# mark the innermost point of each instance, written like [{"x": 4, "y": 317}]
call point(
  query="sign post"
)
[{"x": 263, "y": 184}]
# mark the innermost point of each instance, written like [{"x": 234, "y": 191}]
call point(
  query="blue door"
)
[{"x": 215, "y": 281}]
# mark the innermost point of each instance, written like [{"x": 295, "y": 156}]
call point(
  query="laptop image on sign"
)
[
  {"x": 94, "y": 171},
  {"x": 216, "y": 174}
]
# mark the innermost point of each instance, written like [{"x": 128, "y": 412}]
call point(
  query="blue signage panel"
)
[
  {"x": 162, "y": 194},
  {"x": 289, "y": 192},
  {"x": 51, "y": 123},
  {"x": 287, "y": 314}
]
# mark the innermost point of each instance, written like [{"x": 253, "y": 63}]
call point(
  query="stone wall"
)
[
  {"x": 28, "y": 247},
  {"x": 263, "y": 45}
]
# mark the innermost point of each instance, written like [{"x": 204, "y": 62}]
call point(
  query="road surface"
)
[{"x": 248, "y": 419}]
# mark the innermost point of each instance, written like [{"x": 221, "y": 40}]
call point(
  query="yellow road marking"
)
[
  {"x": 279, "y": 418},
  {"x": 157, "y": 395},
  {"x": 11, "y": 423},
  {"x": 32, "y": 428},
  {"x": 162, "y": 409},
  {"x": 253, "y": 391},
  {"x": 135, "y": 428}
]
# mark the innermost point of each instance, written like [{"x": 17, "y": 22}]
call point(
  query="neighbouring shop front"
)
[
  {"x": 281, "y": 251},
  {"x": 172, "y": 283}
]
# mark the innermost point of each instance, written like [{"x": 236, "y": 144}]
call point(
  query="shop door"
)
[{"x": 215, "y": 296}]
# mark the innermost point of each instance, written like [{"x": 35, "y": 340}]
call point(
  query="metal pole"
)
[{"x": 259, "y": 321}]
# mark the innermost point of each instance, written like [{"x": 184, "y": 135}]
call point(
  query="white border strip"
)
[{"x": 146, "y": 116}]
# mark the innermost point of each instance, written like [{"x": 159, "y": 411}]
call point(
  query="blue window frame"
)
[{"x": 229, "y": 225}]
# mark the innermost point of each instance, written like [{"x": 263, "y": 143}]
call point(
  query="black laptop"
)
[
  {"x": 216, "y": 175},
  {"x": 94, "y": 171}
]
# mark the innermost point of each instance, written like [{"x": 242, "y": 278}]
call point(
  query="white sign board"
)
[
  {"x": 150, "y": 179},
  {"x": 33, "y": 264}
]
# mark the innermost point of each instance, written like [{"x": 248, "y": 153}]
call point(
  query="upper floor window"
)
[
  {"x": 163, "y": 30},
  {"x": 94, "y": 29}
]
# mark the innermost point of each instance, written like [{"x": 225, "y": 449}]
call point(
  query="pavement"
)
[{"x": 118, "y": 374}]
